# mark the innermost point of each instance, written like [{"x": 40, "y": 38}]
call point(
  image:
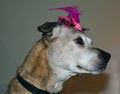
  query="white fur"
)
[{"x": 64, "y": 55}]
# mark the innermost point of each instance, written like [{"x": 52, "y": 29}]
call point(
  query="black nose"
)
[{"x": 104, "y": 55}]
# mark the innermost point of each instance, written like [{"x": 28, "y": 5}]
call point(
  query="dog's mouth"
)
[
  {"x": 82, "y": 68},
  {"x": 93, "y": 71}
]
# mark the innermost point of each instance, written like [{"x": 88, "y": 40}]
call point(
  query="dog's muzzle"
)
[
  {"x": 104, "y": 58},
  {"x": 101, "y": 61}
]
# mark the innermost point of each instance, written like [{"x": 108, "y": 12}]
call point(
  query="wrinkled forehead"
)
[{"x": 66, "y": 35}]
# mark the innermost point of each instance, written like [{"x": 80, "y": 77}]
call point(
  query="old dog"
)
[
  {"x": 63, "y": 51},
  {"x": 60, "y": 53}
]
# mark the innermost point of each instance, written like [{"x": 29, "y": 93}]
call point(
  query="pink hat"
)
[{"x": 72, "y": 20}]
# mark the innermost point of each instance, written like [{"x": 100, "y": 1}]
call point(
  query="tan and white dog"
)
[{"x": 60, "y": 53}]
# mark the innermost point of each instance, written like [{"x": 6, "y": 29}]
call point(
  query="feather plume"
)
[{"x": 72, "y": 12}]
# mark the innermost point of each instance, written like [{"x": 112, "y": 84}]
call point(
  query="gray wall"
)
[{"x": 19, "y": 19}]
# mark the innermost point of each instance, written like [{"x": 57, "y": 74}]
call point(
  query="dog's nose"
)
[{"x": 104, "y": 55}]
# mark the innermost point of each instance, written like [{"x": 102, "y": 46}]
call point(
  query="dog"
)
[{"x": 60, "y": 54}]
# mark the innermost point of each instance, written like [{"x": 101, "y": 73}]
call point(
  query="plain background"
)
[{"x": 18, "y": 33}]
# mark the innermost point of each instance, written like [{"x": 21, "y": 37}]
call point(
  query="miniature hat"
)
[{"x": 72, "y": 20}]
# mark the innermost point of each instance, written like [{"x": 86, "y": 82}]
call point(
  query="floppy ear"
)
[
  {"x": 47, "y": 34},
  {"x": 47, "y": 27}
]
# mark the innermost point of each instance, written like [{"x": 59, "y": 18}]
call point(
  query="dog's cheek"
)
[{"x": 86, "y": 57}]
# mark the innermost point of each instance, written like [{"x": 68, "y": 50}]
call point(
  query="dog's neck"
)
[
  {"x": 57, "y": 79},
  {"x": 39, "y": 73}
]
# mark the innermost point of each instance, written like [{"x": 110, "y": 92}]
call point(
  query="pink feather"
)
[{"x": 72, "y": 12}]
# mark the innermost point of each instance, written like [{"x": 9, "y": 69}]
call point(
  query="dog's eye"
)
[{"x": 79, "y": 40}]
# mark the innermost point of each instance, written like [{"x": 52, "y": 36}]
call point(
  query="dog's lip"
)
[
  {"x": 92, "y": 71},
  {"x": 80, "y": 67}
]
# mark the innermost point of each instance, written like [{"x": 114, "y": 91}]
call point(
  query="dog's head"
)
[{"x": 71, "y": 50}]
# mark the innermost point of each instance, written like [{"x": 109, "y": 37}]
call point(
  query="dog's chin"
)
[
  {"x": 98, "y": 71},
  {"x": 92, "y": 71}
]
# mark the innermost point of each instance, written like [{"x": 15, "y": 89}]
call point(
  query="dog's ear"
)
[
  {"x": 48, "y": 33},
  {"x": 47, "y": 27},
  {"x": 85, "y": 29}
]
